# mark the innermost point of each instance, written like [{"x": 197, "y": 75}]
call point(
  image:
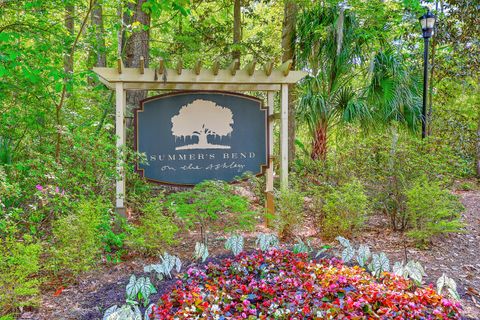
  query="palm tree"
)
[{"x": 332, "y": 48}]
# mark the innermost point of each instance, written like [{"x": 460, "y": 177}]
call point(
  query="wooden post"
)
[
  {"x": 269, "y": 203},
  {"x": 284, "y": 138},
  {"x": 120, "y": 102}
]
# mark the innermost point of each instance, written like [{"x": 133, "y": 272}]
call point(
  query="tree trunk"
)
[
  {"x": 68, "y": 69},
  {"x": 138, "y": 46},
  {"x": 237, "y": 31},
  {"x": 69, "y": 25},
  {"x": 202, "y": 139},
  {"x": 288, "y": 46},
  {"x": 319, "y": 148},
  {"x": 478, "y": 146},
  {"x": 97, "y": 23}
]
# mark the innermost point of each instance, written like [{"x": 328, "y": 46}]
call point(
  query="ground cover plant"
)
[
  {"x": 280, "y": 284},
  {"x": 272, "y": 282}
]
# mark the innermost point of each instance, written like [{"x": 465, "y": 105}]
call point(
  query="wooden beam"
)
[
  {"x": 160, "y": 85},
  {"x": 161, "y": 66},
  {"x": 234, "y": 67},
  {"x": 197, "y": 67},
  {"x": 269, "y": 173},
  {"x": 119, "y": 65},
  {"x": 286, "y": 66},
  {"x": 269, "y": 198},
  {"x": 179, "y": 66},
  {"x": 215, "y": 67},
  {"x": 131, "y": 75},
  {"x": 268, "y": 67},
  {"x": 284, "y": 138},
  {"x": 141, "y": 66},
  {"x": 251, "y": 67},
  {"x": 120, "y": 102}
]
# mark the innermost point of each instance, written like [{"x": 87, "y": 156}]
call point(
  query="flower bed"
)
[{"x": 283, "y": 285}]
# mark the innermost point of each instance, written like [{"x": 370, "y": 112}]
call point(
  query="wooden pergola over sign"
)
[{"x": 232, "y": 79}]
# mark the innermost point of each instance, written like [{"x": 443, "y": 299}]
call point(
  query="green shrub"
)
[
  {"x": 154, "y": 230},
  {"x": 431, "y": 210},
  {"x": 77, "y": 239},
  {"x": 344, "y": 208},
  {"x": 112, "y": 237},
  {"x": 19, "y": 263},
  {"x": 289, "y": 212},
  {"x": 211, "y": 205}
]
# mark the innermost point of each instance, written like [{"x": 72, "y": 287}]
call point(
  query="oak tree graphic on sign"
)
[{"x": 202, "y": 118}]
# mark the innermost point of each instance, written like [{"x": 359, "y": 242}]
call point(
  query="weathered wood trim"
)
[
  {"x": 120, "y": 103},
  {"x": 178, "y": 75},
  {"x": 284, "y": 138}
]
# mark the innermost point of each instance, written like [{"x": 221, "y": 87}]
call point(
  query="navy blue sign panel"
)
[{"x": 189, "y": 137}]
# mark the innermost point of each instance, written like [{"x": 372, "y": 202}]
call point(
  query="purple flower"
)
[{"x": 39, "y": 187}]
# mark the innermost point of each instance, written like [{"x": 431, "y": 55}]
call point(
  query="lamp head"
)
[{"x": 427, "y": 21}]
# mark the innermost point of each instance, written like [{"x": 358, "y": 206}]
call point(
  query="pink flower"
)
[
  {"x": 39, "y": 187},
  {"x": 57, "y": 190}
]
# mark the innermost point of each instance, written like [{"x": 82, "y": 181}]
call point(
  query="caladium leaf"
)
[
  {"x": 453, "y": 293},
  {"x": 441, "y": 283},
  {"x": 450, "y": 284},
  {"x": 109, "y": 312},
  {"x": 132, "y": 288},
  {"x": 398, "y": 268},
  {"x": 178, "y": 264},
  {"x": 137, "y": 314},
  {"x": 301, "y": 247},
  {"x": 235, "y": 244},
  {"x": 201, "y": 251},
  {"x": 266, "y": 241},
  {"x": 363, "y": 254},
  {"x": 148, "y": 311},
  {"x": 343, "y": 241},
  {"x": 379, "y": 264},
  {"x": 414, "y": 271},
  {"x": 348, "y": 253}
]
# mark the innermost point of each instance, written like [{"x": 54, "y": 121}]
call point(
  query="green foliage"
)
[
  {"x": 113, "y": 242},
  {"x": 155, "y": 229},
  {"x": 332, "y": 44},
  {"x": 289, "y": 212},
  {"x": 77, "y": 243},
  {"x": 431, "y": 211},
  {"x": 19, "y": 263},
  {"x": 302, "y": 247},
  {"x": 345, "y": 209},
  {"x": 211, "y": 205}
]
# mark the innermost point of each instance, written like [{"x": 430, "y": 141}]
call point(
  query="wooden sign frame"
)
[{"x": 233, "y": 78}]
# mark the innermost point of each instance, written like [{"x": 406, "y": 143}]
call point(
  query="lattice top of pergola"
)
[{"x": 231, "y": 79}]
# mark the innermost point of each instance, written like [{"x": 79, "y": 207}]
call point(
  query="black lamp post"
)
[{"x": 427, "y": 22}]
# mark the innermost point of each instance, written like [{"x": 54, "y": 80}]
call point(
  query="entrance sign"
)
[
  {"x": 189, "y": 137},
  {"x": 227, "y": 135}
]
